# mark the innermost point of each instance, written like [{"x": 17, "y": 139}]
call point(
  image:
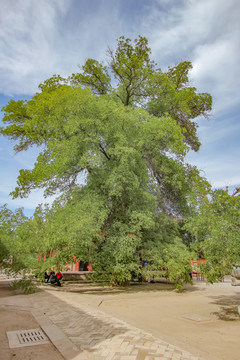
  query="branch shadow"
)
[
  {"x": 228, "y": 310},
  {"x": 92, "y": 288},
  {"x": 98, "y": 289}
]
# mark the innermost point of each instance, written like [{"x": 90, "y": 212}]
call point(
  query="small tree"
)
[
  {"x": 216, "y": 228},
  {"x": 16, "y": 247}
]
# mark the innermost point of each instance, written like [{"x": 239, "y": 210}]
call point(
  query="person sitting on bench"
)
[
  {"x": 53, "y": 279},
  {"x": 47, "y": 277},
  {"x": 59, "y": 275}
]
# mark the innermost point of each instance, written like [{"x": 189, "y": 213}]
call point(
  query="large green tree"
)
[{"x": 116, "y": 155}]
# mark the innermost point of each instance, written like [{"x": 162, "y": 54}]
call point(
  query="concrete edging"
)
[{"x": 67, "y": 349}]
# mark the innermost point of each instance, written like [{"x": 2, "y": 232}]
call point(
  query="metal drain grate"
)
[{"x": 26, "y": 338}]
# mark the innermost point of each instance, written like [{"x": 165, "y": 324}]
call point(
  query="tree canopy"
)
[{"x": 113, "y": 140}]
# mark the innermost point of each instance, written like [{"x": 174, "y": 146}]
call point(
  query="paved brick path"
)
[{"x": 99, "y": 336}]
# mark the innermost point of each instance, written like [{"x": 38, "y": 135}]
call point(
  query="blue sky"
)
[{"x": 42, "y": 38}]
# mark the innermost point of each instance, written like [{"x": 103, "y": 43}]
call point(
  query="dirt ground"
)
[{"x": 203, "y": 319}]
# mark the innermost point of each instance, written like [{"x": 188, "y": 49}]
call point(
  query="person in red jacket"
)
[
  {"x": 59, "y": 275},
  {"x": 54, "y": 279}
]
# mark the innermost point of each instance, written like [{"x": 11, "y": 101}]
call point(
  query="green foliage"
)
[
  {"x": 166, "y": 253},
  {"x": 116, "y": 158},
  {"x": 140, "y": 83},
  {"x": 14, "y": 240},
  {"x": 170, "y": 93},
  {"x": 26, "y": 286},
  {"x": 215, "y": 226},
  {"x": 177, "y": 261},
  {"x": 131, "y": 67},
  {"x": 95, "y": 76}
]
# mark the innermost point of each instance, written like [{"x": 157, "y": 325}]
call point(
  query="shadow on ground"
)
[
  {"x": 6, "y": 291},
  {"x": 228, "y": 307},
  {"x": 98, "y": 289}
]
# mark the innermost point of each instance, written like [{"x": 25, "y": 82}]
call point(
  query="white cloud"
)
[
  {"x": 30, "y": 203},
  {"x": 207, "y": 32},
  {"x": 27, "y": 40},
  {"x": 8, "y": 182},
  {"x": 42, "y": 38},
  {"x": 180, "y": 30},
  {"x": 220, "y": 171},
  {"x": 216, "y": 132},
  {"x": 231, "y": 181},
  {"x": 218, "y": 161},
  {"x": 215, "y": 67}
]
